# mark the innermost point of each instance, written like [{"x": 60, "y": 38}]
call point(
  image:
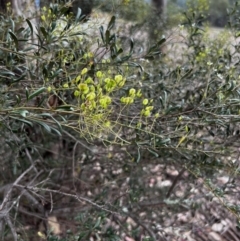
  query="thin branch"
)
[
  {"x": 10, "y": 225},
  {"x": 79, "y": 198},
  {"x": 175, "y": 182},
  {"x": 79, "y": 142},
  {"x": 6, "y": 198},
  {"x": 149, "y": 230},
  {"x": 73, "y": 164},
  {"x": 30, "y": 159}
]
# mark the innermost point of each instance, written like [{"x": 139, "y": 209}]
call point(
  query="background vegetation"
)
[{"x": 107, "y": 134}]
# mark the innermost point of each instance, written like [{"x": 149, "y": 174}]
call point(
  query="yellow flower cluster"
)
[
  {"x": 147, "y": 110},
  {"x": 94, "y": 94},
  {"x": 127, "y": 100},
  {"x": 47, "y": 14}
]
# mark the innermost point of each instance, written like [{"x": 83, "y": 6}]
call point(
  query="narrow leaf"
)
[
  {"x": 27, "y": 93},
  {"x": 111, "y": 23},
  {"x": 14, "y": 37},
  {"x": 79, "y": 12},
  {"x": 36, "y": 93},
  {"x": 101, "y": 29},
  {"x": 139, "y": 155},
  {"x": 30, "y": 25}
]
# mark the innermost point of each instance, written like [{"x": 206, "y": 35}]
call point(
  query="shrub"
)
[{"x": 133, "y": 142}]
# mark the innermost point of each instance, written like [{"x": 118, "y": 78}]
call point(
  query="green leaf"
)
[
  {"x": 14, "y": 37},
  {"x": 139, "y": 155},
  {"x": 50, "y": 116},
  {"x": 47, "y": 127},
  {"x": 131, "y": 47},
  {"x": 101, "y": 29},
  {"x": 53, "y": 25},
  {"x": 36, "y": 93},
  {"x": 153, "y": 152},
  {"x": 24, "y": 113},
  {"x": 30, "y": 25},
  {"x": 97, "y": 224},
  {"x": 6, "y": 73},
  {"x": 44, "y": 32},
  {"x": 44, "y": 125},
  {"x": 18, "y": 79},
  {"x": 18, "y": 97},
  {"x": 111, "y": 24},
  {"x": 79, "y": 12},
  {"x": 65, "y": 108},
  {"x": 57, "y": 131},
  {"x": 27, "y": 92},
  {"x": 22, "y": 120},
  {"x": 160, "y": 42},
  {"x": 68, "y": 25},
  {"x": 107, "y": 37}
]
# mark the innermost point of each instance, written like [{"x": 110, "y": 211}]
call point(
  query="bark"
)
[
  {"x": 160, "y": 7},
  {"x": 22, "y": 8}
]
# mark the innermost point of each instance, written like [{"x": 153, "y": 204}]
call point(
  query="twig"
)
[
  {"x": 150, "y": 232},
  {"x": 10, "y": 225},
  {"x": 30, "y": 159},
  {"x": 175, "y": 182},
  {"x": 4, "y": 207},
  {"x": 79, "y": 142},
  {"x": 73, "y": 164},
  {"x": 6, "y": 198},
  {"x": 79, "y": 198}
]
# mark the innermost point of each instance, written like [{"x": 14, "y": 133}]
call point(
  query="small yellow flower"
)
[
  {"x": 118, "y": 78},
  {"x": 145, "y": 102},
  {"x": 92, "y": 88},
  {"x": 89, "y": 80},
  {"x": 99, "y": 74},
  {"x": 66, "y": 85},
  {"x": 180, "y": 118},
  {"x": 127, "y": 100},
  {"x": 49, "y": 88},
  {"x": 132, "y": 92},
  {"x": 77, "y": 79},
  {"x": 146, "y": 113},
  {"x": 105, "y": 101},
  {"x": 107, "y": 124},
  {"x": 76, "y": 93},
  {"x": 41, "y": 235},
  {"x": 91, "y": 96},
  {"x": 83, "y": 88},
  {"x": 139, "y": 125},
  {"x": 92, "y": 105},
  {"x": 107, "y": 80},
  {"x": 83, "y": 106},
  {"x": 149, "y": 108},
  {"x": 84, "y": 71},
  {"x": 139, "y": 94},
  {"x": 110, "y": 84},
  {"x": 43, "y": 18}
]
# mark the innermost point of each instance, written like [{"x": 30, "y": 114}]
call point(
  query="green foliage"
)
[
  {"x": 98, "y": 125},
  {"x": 71, "y": 6},
  {"x": 133, "y": 10}
]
